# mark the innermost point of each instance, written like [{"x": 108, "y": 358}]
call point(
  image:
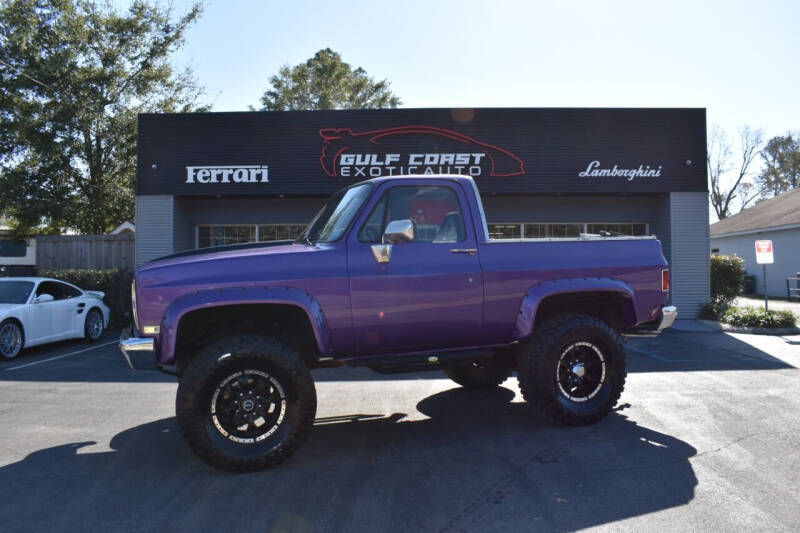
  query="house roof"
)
[
  {"x": 778, "y": 212},
  {"x": 125, "y": 226}
]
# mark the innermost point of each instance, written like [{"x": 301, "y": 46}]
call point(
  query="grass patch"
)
[{"x": 756, "y": 317}]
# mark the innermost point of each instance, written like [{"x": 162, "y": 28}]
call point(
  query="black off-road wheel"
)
[
  {"x": 572, "y": 369},
  {"x": 481, "y": 374},
  {"x": 246, "y": 403}
]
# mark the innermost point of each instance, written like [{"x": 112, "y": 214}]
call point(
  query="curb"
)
[{"x": 727, "y": 328}]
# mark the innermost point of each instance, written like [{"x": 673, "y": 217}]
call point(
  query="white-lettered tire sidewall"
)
[
  {"x": 538, "y": 367},
  {"x": 219, "y": 360},
  {"x": 600, "y": 401},
  {"x": 237, "y": 450}
]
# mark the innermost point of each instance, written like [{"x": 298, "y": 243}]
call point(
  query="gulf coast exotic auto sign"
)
[
  {"x": 507, "y": 151},
  {"x": 372, "y": 154}
]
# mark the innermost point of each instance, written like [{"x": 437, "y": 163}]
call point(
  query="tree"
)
[
  {"x": 73, "y": 76},
  {"x": 781, "y": 170},
  {"x": 326, "y": 82},
  {"x": 720, "y": 161}
]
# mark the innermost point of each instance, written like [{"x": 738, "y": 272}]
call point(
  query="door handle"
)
[{"x": 470, "y": 251}]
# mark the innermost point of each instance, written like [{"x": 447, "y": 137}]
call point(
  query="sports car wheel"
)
[
  {"x": 94, "y": 325},
  {"x": 10, "y": 339}
]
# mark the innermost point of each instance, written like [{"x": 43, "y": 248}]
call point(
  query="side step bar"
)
[{"x": 417, "y": 362}]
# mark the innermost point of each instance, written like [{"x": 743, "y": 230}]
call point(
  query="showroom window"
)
[
  {"x": 279, "y": 232},
  {"x": 540, "y": 230},
  {"x": 505, "y": 231},
  {"x": 623, "y": 228},
  {"x": 222, "y": 235},
  {"x": 238, "y": 234}
]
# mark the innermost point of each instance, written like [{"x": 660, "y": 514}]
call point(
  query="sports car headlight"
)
[{"x": 133, "y": 305}]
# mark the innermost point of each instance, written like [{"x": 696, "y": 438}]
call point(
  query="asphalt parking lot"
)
[{"x": 707, "y": 437}]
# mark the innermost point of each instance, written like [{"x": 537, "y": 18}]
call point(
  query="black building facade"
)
[{"x": 206, "y": 179}]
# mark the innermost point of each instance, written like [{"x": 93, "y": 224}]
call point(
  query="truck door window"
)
[
  {"x": 372, "y": 229},
  {"x": 435, "y": 211}
]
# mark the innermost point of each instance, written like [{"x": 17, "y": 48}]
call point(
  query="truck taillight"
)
[{"x": 665, "y": 280}]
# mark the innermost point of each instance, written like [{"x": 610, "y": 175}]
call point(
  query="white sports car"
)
[{"x": 40, "y": 310}]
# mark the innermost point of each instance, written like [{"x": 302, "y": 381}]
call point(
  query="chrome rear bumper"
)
[
  {"x": 668, "y": 315},
  {"x": 139, "y": 352}
]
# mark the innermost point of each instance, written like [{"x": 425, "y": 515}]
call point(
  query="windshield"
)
[
  {"x": 15, "y": 292},
  {"x": 334, "y": 217}
]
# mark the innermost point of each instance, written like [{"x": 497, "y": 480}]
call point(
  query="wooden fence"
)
[{"x": 58, "y": 252}]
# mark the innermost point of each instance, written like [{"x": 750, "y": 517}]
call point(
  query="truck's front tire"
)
[
  {"x": 572, "y": 369},
  {"x": 246, "y": 403},
  {"x": 481, "y": 374}
]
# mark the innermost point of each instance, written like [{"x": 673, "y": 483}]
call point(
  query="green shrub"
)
[
  {"x": 756, "y": 317},
  {"x": 727, "y": 282},
  {"x": 713, "y": 310},
  {"x": 116, "y": 283}
]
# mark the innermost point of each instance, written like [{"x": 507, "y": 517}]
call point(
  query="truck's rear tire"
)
[
  {"x": 246, "y": 403},
  {"x": 481, "y": 374},
  {"x": 572, "y": 369}
]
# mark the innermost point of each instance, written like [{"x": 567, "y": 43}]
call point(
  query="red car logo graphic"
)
[{"x": 339, "y": 141}]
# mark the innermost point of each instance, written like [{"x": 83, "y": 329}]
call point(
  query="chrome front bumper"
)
[
  {"x": 139, "y": 352},
  {"x": 668, "y": 315}
]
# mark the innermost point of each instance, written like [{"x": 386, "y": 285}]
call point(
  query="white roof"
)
[{"x": 122, "y": 227}]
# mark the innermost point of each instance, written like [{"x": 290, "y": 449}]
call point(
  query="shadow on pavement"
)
[{"x": 478, "y": 462}]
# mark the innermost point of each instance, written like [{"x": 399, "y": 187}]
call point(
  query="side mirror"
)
[
  {"x": 399, "y": 231},
  {"x": 42, "y": 298}
]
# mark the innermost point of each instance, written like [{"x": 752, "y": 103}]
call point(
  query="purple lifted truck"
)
[{"x": 395, "y": 274}]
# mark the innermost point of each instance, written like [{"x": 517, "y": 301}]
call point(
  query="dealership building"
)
[{"x": 209, "y": 179}]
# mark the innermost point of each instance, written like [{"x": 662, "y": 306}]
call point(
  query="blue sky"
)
[{"x": 738, "y": 59}]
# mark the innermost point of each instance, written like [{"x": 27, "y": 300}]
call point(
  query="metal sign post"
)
[{"x": 764, "y": 257}]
